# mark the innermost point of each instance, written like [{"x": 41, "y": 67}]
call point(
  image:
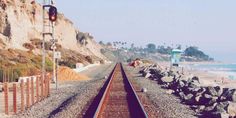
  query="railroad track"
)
[{"x": 119, "y": 98}]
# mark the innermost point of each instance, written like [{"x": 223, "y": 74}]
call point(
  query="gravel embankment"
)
[
  {"x": 71, "y": 97},
  {"x": 168, "y": 105}
]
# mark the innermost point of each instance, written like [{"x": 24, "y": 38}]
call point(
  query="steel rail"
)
[
  {"x": 137, "y": 108},
  {"x": 143, "y": 113},
  {"x": 105, "y": 93}
]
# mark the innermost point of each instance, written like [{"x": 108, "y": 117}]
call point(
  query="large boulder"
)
[
  {"x": 224, "y": 95},
  {"x": 177, "y": 85},
  {"x": 200, "y": 91},
  {"x": 205, "y": 99},
  {"x": 195, "y": 90},
  {"x": 231, "y": 109},
  {"x": 171, "y": 73},
  {"x": 219, "y": 90},
  {"x": 155, "y": 71},
  {"x": 218, "y": 115},
  {"x": 200, "y": 108},
  {"x": 198, "y": 99},
  {"x": 194, "y": 82},
  {"x": 169, "y": 91},
  {"x": 181, "y": 83},
  {"x": 228, "y": 95},
  {"x": 221, "y": 107},
  {"x": 181, "y": 95},
  {"x": 145, "y": 72},
  {"x": 193, "y": 79},
  {"x": 167, "y": 79},
  {"x": 211, "y": 91},
  {"x": 186, "y": 89},
  {"x": 164, "y": 73},
  {"x": 209, "y": 109},
  {"x": 147, "y": 75},
  {"x": 141, "y": 71},
  {"x": 213, "y": 100},
  {"x": 208, "y": 96},
  {"x": 189, "y": 99},
  {"x": 232, "y": 96}
]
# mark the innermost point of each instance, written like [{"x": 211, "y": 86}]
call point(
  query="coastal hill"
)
[
  {"x": 120, "y": 51},
  {"x": 21, "y": 36}
]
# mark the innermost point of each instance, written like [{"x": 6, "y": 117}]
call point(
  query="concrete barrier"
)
[
  {"x": 85, "y": 67},
  {"x": 25, "y": 78}
]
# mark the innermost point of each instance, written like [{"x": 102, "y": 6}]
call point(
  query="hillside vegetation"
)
[{"x": 121, "y": 52}]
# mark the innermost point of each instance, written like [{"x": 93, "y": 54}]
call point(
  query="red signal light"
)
[{"x": 52, "y": 14}]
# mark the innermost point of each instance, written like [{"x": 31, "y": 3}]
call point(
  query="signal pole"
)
[
  {"x": 43, "y": 43},
  {"x": 54, "y": 58},
  {"x": 49, "y": 18}
]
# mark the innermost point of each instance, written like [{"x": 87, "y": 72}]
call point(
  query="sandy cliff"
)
[{"x": 21, "y": 21}]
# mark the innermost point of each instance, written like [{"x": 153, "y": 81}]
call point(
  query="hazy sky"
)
[{"x": 208, "y": 24}]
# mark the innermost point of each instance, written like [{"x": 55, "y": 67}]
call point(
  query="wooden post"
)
[
  {"x": 4, "y": 80},
  {"x": 22, "y": 96},
  {"x": 32, "y": 91},
  {"x": 6, "y": 97},
  {"x": 49, "y": 85},
  {"x": 45, "y": 87},
  {"x": 14, "y": 98},
  {"x": 48, "y": 82},
  {"x": 27, "y": 93},
  {"x": 41, "y": 88},
  {"x": 8, "y": 77},
  {"x": 37, "y": 89}
]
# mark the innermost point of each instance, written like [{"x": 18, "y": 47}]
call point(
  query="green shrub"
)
[
  {"x": 49, "y": 65},
  {"x": 89, "y": 59},
  {"x": 70, "y": 64},
  {"x": 102, "y": 62}
]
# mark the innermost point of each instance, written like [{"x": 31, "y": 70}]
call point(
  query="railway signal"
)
[
  {"x": 52, "y": 14},
  {"x": 49, "y": 18}
]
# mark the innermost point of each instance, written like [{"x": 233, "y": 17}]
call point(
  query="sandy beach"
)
[{"x": 206, "y": 77}]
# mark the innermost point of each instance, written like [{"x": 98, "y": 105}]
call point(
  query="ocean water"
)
[{"x": 229, "y": 70}]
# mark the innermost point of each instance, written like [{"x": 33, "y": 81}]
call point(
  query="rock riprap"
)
[{"x": 209, "y": 101}]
